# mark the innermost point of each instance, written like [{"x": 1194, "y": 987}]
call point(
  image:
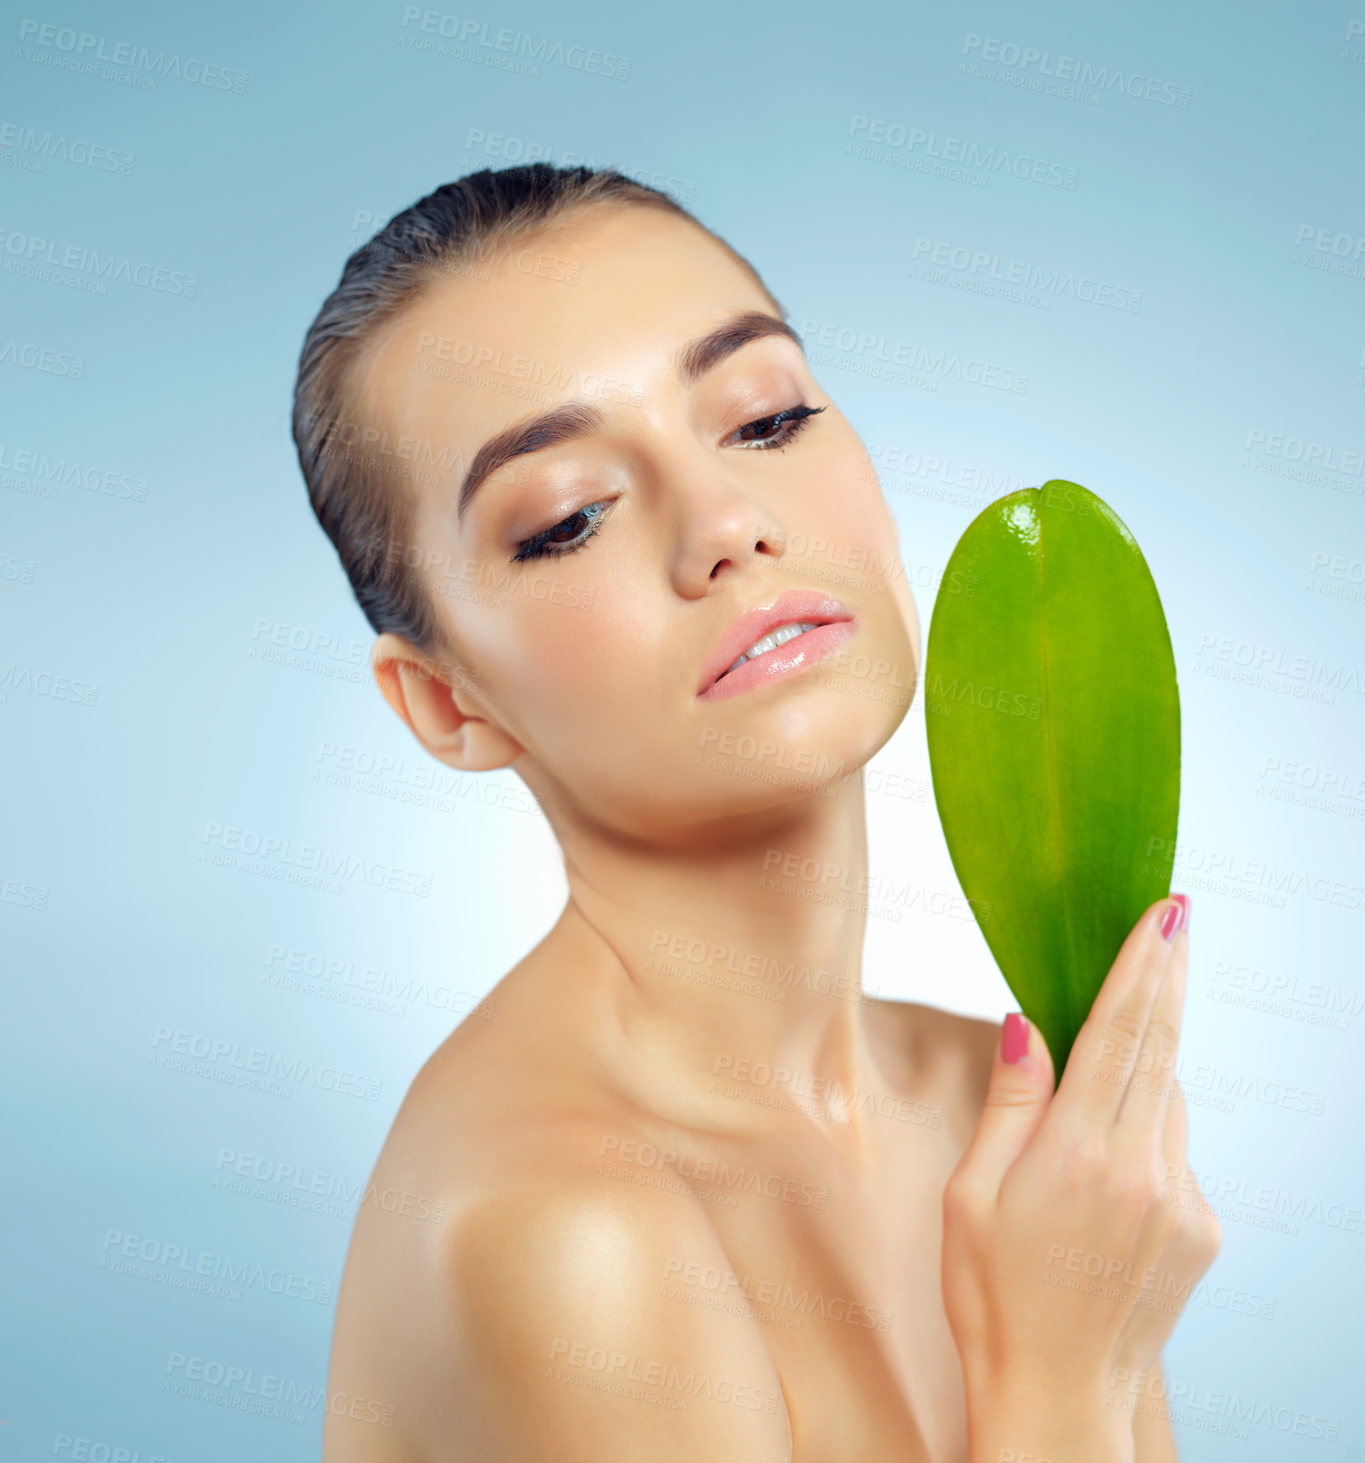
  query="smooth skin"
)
[{"x": 623, "y": 1235}]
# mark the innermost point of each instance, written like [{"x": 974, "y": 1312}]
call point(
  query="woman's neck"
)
[{"x": 744, "y": 947}]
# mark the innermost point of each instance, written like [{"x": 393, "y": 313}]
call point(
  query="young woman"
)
[{"x": 703, "y": 1198}]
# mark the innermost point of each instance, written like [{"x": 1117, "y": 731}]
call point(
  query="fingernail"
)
[
  {"x": 1014, "y": 1038},
  {"x": 1184, "y": 901},
  {"x": 1170, "y": 918}
]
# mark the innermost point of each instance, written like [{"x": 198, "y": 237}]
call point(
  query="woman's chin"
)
[{"x": 797, "y": 745}]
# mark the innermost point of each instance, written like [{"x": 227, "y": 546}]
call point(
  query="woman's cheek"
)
[
  {"x": 570, "y": 654},
  {"x": 872, "y": 525},
  {"x": 867, "y": 536}
]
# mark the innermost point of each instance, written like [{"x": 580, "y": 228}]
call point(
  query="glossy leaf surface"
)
[{"x": 1053, "y": 722}]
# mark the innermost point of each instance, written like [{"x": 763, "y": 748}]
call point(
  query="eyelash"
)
[{"x": 792, "y": 418}]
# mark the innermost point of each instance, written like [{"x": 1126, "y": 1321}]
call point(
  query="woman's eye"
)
[
  {"x": 567, "y": 536},
  {"x": 572, "y": 533},
  {"x": 782, "y": 425}
]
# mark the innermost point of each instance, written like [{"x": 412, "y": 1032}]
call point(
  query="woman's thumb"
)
[{"x": 1020, "y": 1089}]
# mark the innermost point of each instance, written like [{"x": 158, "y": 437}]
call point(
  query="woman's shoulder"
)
[
  {"x": 551, "y": 1302},
  {"x": 932, "y": 1031},
  {"x": 516, "y": 1104},
  {"x": 499, "y": 1100},
  {"x": 555, "y": 1235},
  {"x": 943, "y": 1053}
]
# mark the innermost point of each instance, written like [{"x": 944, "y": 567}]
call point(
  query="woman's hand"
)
[{"x": 1073, "y": 1229}]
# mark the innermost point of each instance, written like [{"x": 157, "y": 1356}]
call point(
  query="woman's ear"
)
[{"x": 427, "y": 695}]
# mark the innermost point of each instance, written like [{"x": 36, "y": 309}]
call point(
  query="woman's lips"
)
[
  {"x": 793, "y": 606},
  {"x": 783, "y": 660}
]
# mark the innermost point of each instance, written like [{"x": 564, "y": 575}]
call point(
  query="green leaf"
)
[{"x": 1053, "y": 722}]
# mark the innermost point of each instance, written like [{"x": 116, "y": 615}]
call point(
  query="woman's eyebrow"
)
[{"x": 572, "y": 419}]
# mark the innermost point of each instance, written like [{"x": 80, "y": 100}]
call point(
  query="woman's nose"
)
[
  {"x": 714, "y": 521},
  {"x": 720, "y": 530}
]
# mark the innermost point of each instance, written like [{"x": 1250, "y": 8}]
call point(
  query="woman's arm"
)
[{"x": 1153, "y": 1439}]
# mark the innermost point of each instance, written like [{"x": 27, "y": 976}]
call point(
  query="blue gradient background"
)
[{"x": 167, "y": 604}]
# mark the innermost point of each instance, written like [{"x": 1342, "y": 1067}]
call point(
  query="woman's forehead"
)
[
  {"x": 613, "y": 279},
  {"x": 604, "y": 300}
]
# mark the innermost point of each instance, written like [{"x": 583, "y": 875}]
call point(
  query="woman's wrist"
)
[{"x": 1033, "y": 1424}]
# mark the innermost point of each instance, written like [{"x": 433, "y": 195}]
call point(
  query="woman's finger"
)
[
  {"x": 1016, "y": 1100},
  {"x": 1142, "y": 1114},
  {"x": 1175, "y": 1136},
  {"x": 1103, "y": 1055}
]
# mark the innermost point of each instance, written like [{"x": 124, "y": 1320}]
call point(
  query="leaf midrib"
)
[{"x": 1054, "y": 797}]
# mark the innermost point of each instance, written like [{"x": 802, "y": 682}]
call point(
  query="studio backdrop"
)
[{"x": 239, "y": 906}]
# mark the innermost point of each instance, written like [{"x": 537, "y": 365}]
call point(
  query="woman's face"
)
[{"x": 679, "y": 509}]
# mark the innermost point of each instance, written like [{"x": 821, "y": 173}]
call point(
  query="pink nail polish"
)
[
  {"x": 1014, "y": 1038},
  {"x": 1170, "y": 918},
  {"x": 1184, "y": 901}
]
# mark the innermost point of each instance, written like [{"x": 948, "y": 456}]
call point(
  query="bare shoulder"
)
[
  {"x": 951, "y": 1053},
  {"x": 531, "y": 1315},
  {"x": 568, "y": 1336}
]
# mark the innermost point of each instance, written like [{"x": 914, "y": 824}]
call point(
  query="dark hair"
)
[{"x": 365, "y": 515}]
